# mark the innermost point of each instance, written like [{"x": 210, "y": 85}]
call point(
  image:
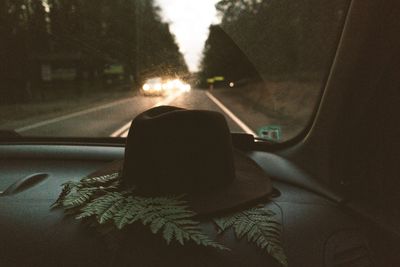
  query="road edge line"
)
[
  {"x": 240, "y": 123},
  {"x": 121, "y": 130},
  {"x": 71, "y": 115}
]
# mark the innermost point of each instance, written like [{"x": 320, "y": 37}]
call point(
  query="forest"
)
[
  {"x": 62, "y": 45},
  {"x": 272, "y": 39}
]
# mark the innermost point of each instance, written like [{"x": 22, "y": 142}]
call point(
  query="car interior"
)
[{"x": 337, "y": 187}]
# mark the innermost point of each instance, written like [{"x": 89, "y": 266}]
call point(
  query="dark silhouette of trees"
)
[
  {"x": 87, "y": 35},
  {"x": 280, "y": 38},
  {"x": 157, "y": 51},
  {"x": 222, "y": 57}
]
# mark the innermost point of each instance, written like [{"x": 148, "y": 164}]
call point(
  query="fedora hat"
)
[{"x": 174, "y": 151}]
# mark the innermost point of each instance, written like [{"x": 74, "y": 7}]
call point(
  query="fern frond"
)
[
  {"x": 66, "y": 190},
  {"x": 259, "y": 228},
  {"x": 224, "y": 223},
  {"x": 78, "y": 197},
  {"x": 98, "y": 180},
  {"x": 168, "y": 216},
  {"x": 175, "y": 221},
  {"x": 127, "y": 213},
  {"x": 75, "y": 194},
  {"x": 97, "y": 198},
  {"x": 104, "y": 207}
]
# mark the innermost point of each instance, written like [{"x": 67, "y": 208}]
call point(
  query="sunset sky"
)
[{"x": 190, "y": 20}]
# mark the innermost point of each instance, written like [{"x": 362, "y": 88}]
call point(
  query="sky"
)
[{"x": 189, "y": 22}]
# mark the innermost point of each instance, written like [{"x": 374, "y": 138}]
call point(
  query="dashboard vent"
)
[{"x": 347, "y": 249}]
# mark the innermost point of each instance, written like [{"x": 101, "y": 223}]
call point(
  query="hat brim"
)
[{"x": 250, "y": 186}]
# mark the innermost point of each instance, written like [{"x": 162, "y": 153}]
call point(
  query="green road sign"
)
[
  {"x": 211, "y": 80},
  {"x": 219, "y": 78},
  {"x": 271, "y": 132}
]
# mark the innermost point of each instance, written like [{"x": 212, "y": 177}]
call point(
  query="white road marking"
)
[
  {"x": 231, "y": 115},
  {"x": 72, "y": 115},
  {"x": 125, "y": 134},
  {"x": 123, "y": 131}
]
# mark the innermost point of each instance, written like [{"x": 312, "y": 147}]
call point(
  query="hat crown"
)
[{"x": 172, "y": 150}]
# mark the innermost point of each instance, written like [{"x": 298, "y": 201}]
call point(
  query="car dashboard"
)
[{"x": 317, "y": 230}]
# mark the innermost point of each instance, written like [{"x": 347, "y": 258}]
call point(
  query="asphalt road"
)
[{"x": 112, "y": 119}]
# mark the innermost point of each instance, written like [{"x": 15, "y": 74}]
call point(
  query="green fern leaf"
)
[
  {"x": 110, "y": 209},
  {"x": 75, "y": 194},
  {"x": 78, "y": 197},
  {"x": 97, "y": 198},
  {"x": 170, "y": 216},
  {"x": 168, "y": 233},
  {"x": 66, "y": 190},
  {"x": 98, "y": 180},
  {"x": 103, "y": 207},
  {"x": 259, "y": 228},
  {"x": 127, "y": 214},
  {"x": 223, "y": 223}
]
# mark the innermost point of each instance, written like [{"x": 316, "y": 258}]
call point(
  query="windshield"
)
[{"x": 86, "y": 68}]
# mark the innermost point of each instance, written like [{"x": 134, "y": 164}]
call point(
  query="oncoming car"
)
[
  {"x": 176, "y": 85},
  {"x": 153, "y": 87},
  {"x": 159, "y": 86}
]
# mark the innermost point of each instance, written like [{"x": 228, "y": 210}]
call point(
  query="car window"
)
[{"x": 85, "y": 68}]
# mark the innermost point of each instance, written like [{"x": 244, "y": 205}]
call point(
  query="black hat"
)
[{"x": 174, "y": 151}]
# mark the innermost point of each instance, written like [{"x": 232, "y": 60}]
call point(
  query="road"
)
[{"x": 113, "y": 119}]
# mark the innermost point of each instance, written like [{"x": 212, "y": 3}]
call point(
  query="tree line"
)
[
  {"x": 272, "y": 39},
  {"x": 88, "y": 34}
]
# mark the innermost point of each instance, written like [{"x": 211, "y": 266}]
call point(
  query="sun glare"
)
[{"x": 190, "y": 20}]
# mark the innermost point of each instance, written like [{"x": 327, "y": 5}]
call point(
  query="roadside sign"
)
[
  {"x": 219, "y": 78},
  {"x": 270, "y": 132}
]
